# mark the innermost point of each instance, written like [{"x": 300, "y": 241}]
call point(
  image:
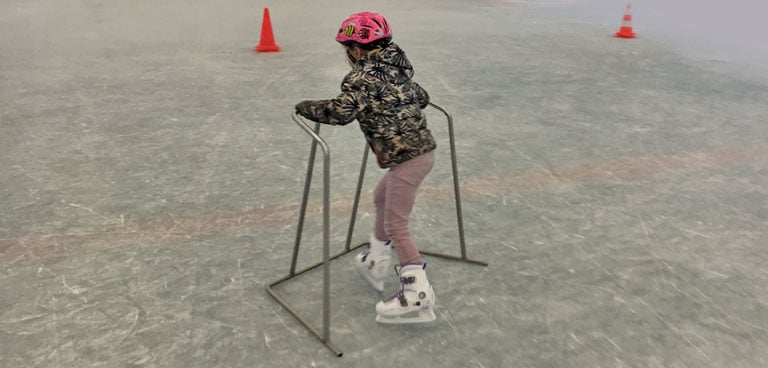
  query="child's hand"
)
[{"x": 304, "y": 109}]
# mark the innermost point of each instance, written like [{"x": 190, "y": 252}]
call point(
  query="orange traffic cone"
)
[
  {"x": 626, "y": 25},
  {"x": 267, "y": 40}
]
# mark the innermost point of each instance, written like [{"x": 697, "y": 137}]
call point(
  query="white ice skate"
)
[
  {"x": 414, "y": 302},
  {"x": 375, "y": 263}
]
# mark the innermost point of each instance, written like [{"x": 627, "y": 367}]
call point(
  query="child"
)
[{"x": 380, "y": 94}]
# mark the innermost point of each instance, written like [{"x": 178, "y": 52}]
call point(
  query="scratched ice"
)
[{"x": 150, "y": 181}]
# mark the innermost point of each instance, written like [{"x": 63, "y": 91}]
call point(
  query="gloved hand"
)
[{"x": 304, "y": 109}]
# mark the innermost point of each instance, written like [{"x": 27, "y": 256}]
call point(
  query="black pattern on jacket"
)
[{"x": 381, "y": 95}]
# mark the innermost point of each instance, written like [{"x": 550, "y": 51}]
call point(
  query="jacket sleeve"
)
[
  {"x": 342, "y": 110},
  {"x": 423, "y": 96}
]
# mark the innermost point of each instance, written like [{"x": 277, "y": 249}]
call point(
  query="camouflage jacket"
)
[{"x": 380, "y": 94}]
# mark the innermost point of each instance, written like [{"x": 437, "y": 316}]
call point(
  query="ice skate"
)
[
  {"x": 413, "y": 303},
  {"x": 375, "y": 263}
]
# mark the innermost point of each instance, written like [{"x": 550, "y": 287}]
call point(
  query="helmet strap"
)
[{"x": 350, "y": 58}]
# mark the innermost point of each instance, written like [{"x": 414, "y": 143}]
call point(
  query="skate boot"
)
[
  {"x": 374, "y": 264},
  {"x": 413, "y": 303}
]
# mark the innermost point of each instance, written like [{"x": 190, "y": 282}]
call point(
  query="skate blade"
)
[{"x": 421, "y": 317}]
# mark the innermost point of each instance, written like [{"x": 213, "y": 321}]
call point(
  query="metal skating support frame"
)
[{"x": 325, "y": 334}]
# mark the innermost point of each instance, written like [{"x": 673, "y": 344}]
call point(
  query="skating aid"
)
[{"x": 324, "y": 335}]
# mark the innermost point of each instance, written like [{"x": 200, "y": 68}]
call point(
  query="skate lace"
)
[{"x": 400, "y": 296}]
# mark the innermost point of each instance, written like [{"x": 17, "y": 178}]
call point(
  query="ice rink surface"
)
[{"x": 150, "y": 180}]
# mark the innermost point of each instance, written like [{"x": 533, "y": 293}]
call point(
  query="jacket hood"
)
[{"x": 389, "y": 64}]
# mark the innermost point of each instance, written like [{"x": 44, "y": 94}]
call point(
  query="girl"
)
[{"x": 380, "y": 94}]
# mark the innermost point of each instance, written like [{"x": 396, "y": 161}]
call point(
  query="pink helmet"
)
[{"x": 363, "y": 28}]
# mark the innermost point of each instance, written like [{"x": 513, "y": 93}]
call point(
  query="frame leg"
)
[{"x": 356, "y": 203}]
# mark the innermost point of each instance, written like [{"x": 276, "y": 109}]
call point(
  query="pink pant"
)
[{"x": 394, "y": 197}]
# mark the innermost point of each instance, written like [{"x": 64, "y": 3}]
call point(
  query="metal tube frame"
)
[{"x": 325, "y": 334}]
